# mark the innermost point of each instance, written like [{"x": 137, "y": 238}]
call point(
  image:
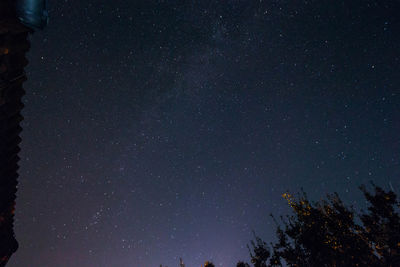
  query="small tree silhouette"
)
[{"x": 209, "y": 264}]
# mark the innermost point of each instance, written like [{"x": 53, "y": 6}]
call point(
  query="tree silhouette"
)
[
  {"x": 209, "y": 264},
  {"x": 242, "y": 264},
  {"x": 326, "y": 233},
  {"x": 259, "y": 253},
  {"x": 382, "y": 225}
]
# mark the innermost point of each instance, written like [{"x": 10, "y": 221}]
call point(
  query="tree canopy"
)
[{"x": 329, "y": 233}]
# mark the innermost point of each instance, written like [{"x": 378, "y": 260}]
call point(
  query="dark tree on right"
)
[{"x": 328, "y": 233}]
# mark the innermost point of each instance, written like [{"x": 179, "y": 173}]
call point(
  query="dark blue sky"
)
[{"x": 163, "y": 129}]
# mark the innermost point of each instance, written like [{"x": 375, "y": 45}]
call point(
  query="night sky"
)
[{"x": 163, "y": 129}]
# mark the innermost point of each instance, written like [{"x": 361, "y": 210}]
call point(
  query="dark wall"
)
[{"x": 13, "y": 46}]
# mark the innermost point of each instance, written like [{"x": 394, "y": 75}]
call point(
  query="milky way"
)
[{"x": 160, "y": 130}]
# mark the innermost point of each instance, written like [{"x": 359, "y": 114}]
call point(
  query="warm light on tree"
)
[{"x": 325, "y": 233}]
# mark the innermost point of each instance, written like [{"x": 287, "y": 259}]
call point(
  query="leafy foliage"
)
[
  {"x": 260, "y": 253},
  {"x": 325, "y": 233}
]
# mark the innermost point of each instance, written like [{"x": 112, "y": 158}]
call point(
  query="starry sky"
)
[{"x": 163, "y": 129}]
